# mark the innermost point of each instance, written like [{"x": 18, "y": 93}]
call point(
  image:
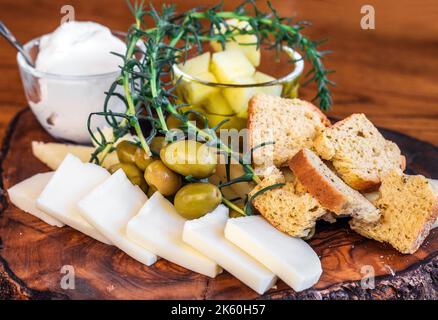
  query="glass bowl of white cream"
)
[{"x": 74, "y": 67}]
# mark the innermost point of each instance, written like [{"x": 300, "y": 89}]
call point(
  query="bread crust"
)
[
  {"x": 264, "y": 98},
  {"x": 403, "y": 162},
  {"x": 326, "y": 150},
  {"x": 250, "y": 120},
  {"x": 342, "y": 121},
  {"x": 326, "y": 121},
  {"x": 426, "y": 229},
  {"x": 365, "y": 185},
  {"x": 328, "y": 196},
  {"x": 288, "y": 208},
  {"x": 361, "y": 228}
]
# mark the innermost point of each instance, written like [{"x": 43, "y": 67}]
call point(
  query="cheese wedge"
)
[
  {"x": 70, "y": 183},
  {"x": 230, "y": 65},
  {"x": 24, "y": 194},
  {"x": 110, "y": 206},
  {"x": 291, "y": 259},
  {"x": 206, "y": 235},
  {"x": 52, "y": 154},
  {"x": 197, "y": 65},
  {"x": 158, "y": 228},
  {"x": 243, "y": 42}
]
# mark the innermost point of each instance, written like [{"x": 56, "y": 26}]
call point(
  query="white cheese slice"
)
[
  {"x": 72, "y": 181},
  {"x": 158, "y": 227},
  {"x": 24, "y": 194},
  {"x": 52, "y": 154},
  {"x": 206, "y": 235},
  {"x": 110, "y": 206},
  {"x": 291, "y": 259}
]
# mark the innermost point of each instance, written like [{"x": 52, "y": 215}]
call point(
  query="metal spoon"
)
[{"x": 15, "y": 43}]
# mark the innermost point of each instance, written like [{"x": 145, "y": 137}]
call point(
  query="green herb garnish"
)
[{"x": 147, "y": 78}]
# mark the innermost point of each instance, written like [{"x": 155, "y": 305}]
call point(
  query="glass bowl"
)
[
  {"x": 286, "y": 84},
  {"x": 63, "y": 103}
]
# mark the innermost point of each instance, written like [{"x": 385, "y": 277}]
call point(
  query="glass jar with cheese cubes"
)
[{"x": 221, "y": 83}]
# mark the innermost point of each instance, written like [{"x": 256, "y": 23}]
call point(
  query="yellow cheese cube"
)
[
  {"x": 261, "y": 77},
  {"x": 194, "y": 92},
  {"x": 230, "y": 65},
  {"x": 217, "y": 104},
  {"x": 241, "y": 42},
  {"x": 243, "y": 114},
  {"x": 233, "y": 123},
  {"x": 238, "y": 97},
  {"x": 197, "y": 65}
]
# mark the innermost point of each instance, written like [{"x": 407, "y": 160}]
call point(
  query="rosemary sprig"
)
[
  {"x": 249, "y": 207},
  {"x": 147, "y": 80}
]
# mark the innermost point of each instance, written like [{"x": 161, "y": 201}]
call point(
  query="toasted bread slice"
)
[
  {"x": 288, "y": 208},
  {"x": 359, "y": 153},
  {"x": 331, "y": 192},
  {"x": 409, "y": 207},
  {"x": 292, "y": 124}
]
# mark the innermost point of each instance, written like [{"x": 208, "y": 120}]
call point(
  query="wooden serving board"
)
[{"x": 33, "y": 253}]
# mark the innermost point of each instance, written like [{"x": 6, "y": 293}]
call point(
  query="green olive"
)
[
  {"x": 241, "y": 189},
  {"x": 189, "y": 158},
  {"x": 126, "y": 151},
  {"x": 157, "y": 144},
  {"x": 142, "y": 160},
  {"x": 144, "y": 186},
  {"x": 112, "y": 169},
  {"x": 140, "y": 182},
  {"x": 239, "y": 204},
  {"x": 235, "y": 214},
  {"x": 233, "y": 122},
  {"x": 172, "y": 122},
  {"x": 151, "y": 191},
  {"x": 196, "y": 199},
  {"x": 162, "y": 178},
  {"x": 134, "y": 174}
]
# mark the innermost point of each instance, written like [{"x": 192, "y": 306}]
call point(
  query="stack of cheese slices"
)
[
  {"x": 110, "y": 209},
  {"x": 328, "y": 171}
]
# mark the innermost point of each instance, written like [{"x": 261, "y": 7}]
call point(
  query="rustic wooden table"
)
[{"x": 389, "y": 73}]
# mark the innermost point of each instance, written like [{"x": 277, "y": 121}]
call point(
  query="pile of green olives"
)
[{"x": 165, "y": 173}]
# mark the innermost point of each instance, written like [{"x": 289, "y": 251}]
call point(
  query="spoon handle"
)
[{"x": 4, "y": 31}]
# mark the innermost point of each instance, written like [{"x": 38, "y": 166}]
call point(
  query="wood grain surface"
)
[{"x": 33, "y": 253}]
